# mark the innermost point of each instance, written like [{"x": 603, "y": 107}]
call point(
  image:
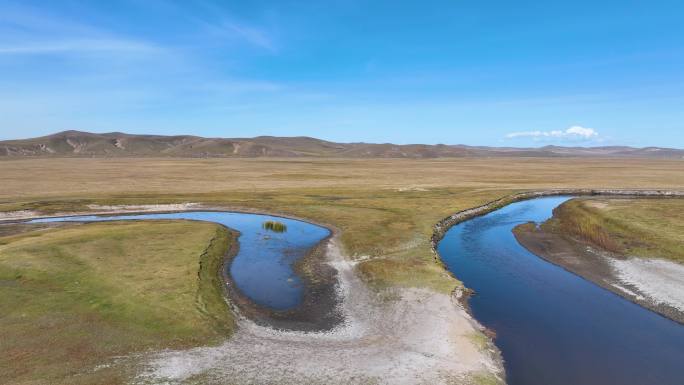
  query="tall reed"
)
[
  {"x": 274, "y": 226},
  {"x": 587, "y": 225}
]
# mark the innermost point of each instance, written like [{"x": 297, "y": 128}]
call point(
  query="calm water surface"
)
[
  {"x": 262, "y": 269},
  {"x": 552, "y": 326}
]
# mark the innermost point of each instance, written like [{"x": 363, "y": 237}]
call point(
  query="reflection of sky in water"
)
[
  {"x": 552, "y": 326},
  {"x": 262, "y": 269}
]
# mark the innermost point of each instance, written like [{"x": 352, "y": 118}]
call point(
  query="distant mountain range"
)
[{"x": 116, "y": 144}]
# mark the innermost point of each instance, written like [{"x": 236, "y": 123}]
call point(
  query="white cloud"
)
[
  {"x": 221, "y": 24},
  {"x": 28, "y": 31},
  {"x": 231, "y": 32},
  {"x": 78, "y": 45},
  {"x": 574, "y": 133},
  {"x": 253, "y": 35}
]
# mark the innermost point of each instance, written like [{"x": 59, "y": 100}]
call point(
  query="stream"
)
[
  {"x": 554, "y": 327},
  {"x": 263, "y": 267}
]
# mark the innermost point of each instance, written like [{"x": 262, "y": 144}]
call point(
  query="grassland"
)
[
  {"x": 647, "y": 228},
  {"x": 385, "y": 208},
  {"x": 77, "y": 296}
]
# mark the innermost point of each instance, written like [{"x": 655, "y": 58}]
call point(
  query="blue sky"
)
[{"x": 503, "y": 73}]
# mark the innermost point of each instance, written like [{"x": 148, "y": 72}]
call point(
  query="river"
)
[
  {"x": 263, "y": 267},
  {"x": 554, "y": 327}
]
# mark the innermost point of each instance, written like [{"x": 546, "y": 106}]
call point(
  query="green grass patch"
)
[
  {"x": 72, "y": 298},
  {"x": 485, "y": 379},
  {"x": 391, "y": 226},
  {"x": 643, "y": 227},
  {"x": 479, "y": 339}
]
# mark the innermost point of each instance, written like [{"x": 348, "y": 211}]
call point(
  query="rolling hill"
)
[{"x": 117, "y": 144}]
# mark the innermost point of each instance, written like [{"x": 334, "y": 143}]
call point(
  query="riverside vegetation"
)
[
  {"x": 648, "y": 228},
  {"x": 630, "y": 246},
  {"x": 384, "y": 210},
  {"x": 75, "y": 295},
  {"x": 275, "y": 226}
]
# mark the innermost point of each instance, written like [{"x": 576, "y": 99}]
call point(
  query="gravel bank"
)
[
  {"x": 654, "y": 284},
  {"x": 402, "y": 336},
  {"x": 658, "y": 280},
  {"x": 417, "y": 337}
]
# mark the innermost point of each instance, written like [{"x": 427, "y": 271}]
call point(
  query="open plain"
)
[
  {"x": 397, "y": 296},
  {"x": 224, "y": 192}
]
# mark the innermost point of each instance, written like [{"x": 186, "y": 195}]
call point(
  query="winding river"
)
[
  {"x": 263, "y": 267},
  {"x": 553, "y": 327}
]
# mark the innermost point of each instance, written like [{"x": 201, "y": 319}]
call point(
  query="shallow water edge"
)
[
  {"x": 552, "y": 326},
  {"x": 315, "y": 284}
]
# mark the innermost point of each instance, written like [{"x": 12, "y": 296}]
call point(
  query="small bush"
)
[{"x": 274, "y": 226}]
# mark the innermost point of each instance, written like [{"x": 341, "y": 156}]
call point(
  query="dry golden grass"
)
[
  {"x": 634, "y": 227},
  {"x": 385, "y": 208},
  {"x": 77, "y": 177}
]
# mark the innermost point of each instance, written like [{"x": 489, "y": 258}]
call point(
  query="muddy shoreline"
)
[
  {"x": 420, "y": 337},
  {"x": 582, "y": 259},
  {"x": 463, "y": 294},
  {"x": 319, "y": 310}
]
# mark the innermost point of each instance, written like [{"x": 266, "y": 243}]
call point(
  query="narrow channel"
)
[
  {"x": 554, "y": 327},
  {"x": 263, "y": 267}
]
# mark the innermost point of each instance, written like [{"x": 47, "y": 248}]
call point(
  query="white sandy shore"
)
[
  {"x": 101, "y": 210},
  {"x": 420, "y": 338},
  {"x": 145, "y": 208},
  {"x": 17, "y": 215},
  {"x": 660, "y": 280}
]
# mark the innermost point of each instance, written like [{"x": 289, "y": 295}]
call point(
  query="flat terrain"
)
[
  {"x": 646, "y": 228},
  {"x": 76, "y": 296},
  {"x": 384, "y": 210}
]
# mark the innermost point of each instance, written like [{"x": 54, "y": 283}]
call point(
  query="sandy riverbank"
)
[
  {"x": 398, "y": 336},
  {"x": 655, "y": 284},
  {"x": 416, "y": 337}
]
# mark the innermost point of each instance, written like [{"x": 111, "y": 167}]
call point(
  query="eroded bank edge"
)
[
  {"x": 441, "y": 227},
  {"x": 462, "y": 294}
]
